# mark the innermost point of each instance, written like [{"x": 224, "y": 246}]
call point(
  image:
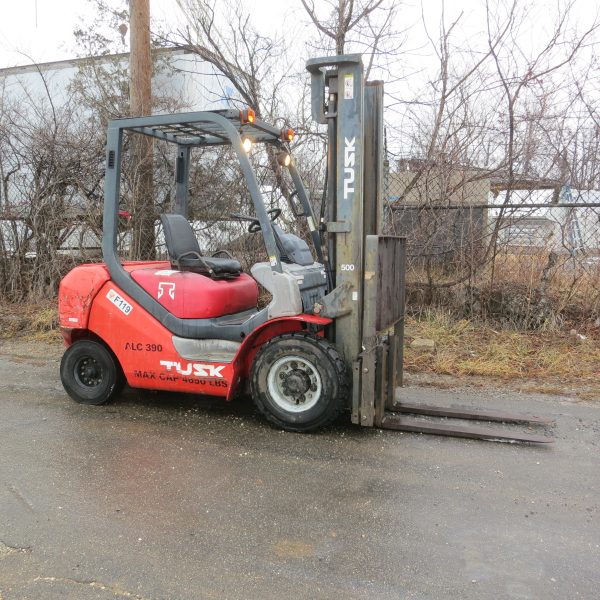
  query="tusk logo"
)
[
  {"x": 349, "y": 160},
  {"x": 167, "y": 286},
  {"x": 197, "y": 369}
]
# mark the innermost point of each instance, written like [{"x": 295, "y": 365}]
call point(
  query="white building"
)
[
  {"x": 186, "y": 80},
  {"x": 179, "y": 74},
  {"x": 557, "y": 227}
]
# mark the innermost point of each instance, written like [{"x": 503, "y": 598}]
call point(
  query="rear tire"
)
[
  {"x": 299, "y": 382},
  {"x": 90, "y": 373}
]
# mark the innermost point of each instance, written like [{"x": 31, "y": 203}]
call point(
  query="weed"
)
[
  {"x": 472, "y": 348},
  {"x": 35, "y": 321}
]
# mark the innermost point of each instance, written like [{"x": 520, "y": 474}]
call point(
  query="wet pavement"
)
[{"x": 174, "y": 497}]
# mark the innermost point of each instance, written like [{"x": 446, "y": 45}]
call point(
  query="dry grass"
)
[
  {"x": 572, "y": 286},
  {"x": 544, "y": 362},
  {"x": 467, "y": 348},
  {"x": 32, "y": 321},
  {"x": 528, "y": 290}
]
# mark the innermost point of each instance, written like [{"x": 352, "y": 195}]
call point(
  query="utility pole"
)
[{"x": 140, "y": 100}]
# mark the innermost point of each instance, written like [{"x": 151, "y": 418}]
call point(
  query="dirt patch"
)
[
  {"x": 30, "y": 333},
  {"x": 31, "y": 350},
  {"x": 571, "y": 391},
  {"x": 6, "y": 550},
  {"x": 294, "y": 549}
]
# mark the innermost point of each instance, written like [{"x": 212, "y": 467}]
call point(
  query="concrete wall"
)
[{"x": 438, "y": 186}]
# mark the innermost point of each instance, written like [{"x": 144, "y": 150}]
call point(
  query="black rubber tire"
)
[
  {"x": 108, "y": 376},
  {"x": 331, "y": 368}
]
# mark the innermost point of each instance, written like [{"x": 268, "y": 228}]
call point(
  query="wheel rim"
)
[
  {"x": 294, "y": 384},
  {"x": 88, "y": 372}
]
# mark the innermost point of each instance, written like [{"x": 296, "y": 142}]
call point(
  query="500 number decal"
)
[{"x": 347, "y": 267}]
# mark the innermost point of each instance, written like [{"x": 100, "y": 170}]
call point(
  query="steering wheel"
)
[
  {"x": 254, "y": 226},
  {"x": 274, "y": 213}
]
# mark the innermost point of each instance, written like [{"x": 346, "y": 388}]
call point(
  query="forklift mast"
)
[{"x": 367, "y": 268}]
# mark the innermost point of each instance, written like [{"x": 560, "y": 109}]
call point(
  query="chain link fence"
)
[
  {"x": 489, "y": 244},
  {"x": 524, "y": 252}
]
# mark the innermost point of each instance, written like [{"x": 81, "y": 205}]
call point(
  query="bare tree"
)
[
  {"x": 256, "y": 65},
  {"x": 222, "y": 34},
  {"x": 45, "y": 173},
  {"x": 503, "y": 120},
  {"x": 365, "y": 26}
]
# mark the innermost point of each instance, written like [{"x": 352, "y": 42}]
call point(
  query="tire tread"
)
[
  {"x": 71, "y": 387},
  {"x": 342, "y": 376}
]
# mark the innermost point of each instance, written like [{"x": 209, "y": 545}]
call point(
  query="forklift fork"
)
[
  {"x": 379, "y": 398},
  {"x": 394, "y": 420}
]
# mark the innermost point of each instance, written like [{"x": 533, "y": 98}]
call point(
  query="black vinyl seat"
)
[{"x": 184, "y": 251}]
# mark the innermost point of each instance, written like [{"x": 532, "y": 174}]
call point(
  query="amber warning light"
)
[
  {"x": 247, "y": 116},
  {"x": 287, "y": 135}
]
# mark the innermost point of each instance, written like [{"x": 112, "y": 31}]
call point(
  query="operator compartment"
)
[{"x": 189, "y": 295}]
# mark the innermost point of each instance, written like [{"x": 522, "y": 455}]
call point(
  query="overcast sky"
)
[{"x": 42, "y": 30}]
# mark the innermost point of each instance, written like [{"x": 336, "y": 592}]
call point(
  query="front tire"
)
[
  {"x": 90, "y": 373},
  {"x": 299, "y": 382}
]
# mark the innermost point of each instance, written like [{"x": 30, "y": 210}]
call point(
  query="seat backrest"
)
[
  {"x": 179, "y": 236},
  {"x": 292, "y": 248}
]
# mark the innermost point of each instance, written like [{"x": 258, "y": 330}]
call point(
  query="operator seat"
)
[{"x": 184, "y": 251}]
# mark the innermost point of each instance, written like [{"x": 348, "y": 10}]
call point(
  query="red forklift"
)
[{"x": 330, "y": 339}]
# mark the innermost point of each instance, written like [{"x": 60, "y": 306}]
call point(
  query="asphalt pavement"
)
[{"x": 174, "y": 497}]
